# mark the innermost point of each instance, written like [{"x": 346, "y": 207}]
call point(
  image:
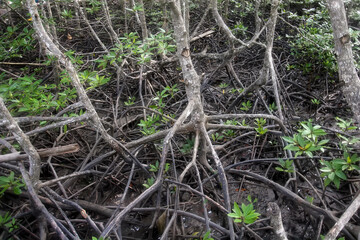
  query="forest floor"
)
[{"x": 126, "y": 105}]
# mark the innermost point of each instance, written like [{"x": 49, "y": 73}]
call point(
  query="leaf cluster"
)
[{"x": 246, "y": 214}]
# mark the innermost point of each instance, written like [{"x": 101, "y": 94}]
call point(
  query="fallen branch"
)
[
  {"x": 207, "y": 33},
  {"x": 344, "y": 219},
  {"x": 61, "y": 150}
]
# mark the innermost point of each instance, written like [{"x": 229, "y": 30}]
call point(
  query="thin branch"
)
[{"x": 24, "y": 141}]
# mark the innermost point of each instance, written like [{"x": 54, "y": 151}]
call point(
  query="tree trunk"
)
[{"x": 345, "y": 59}]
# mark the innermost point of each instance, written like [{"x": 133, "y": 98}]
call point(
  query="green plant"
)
[
  {"x": 149, "y": 182},
  {"x": 188, "y": 146},
  {"x": 246, "y": 106},
  {"x": 315, "y": 101},
  {"x": 307, "y": 140},
  {"x": 16, "y": 42},
  {"x": 207, "y": 236},
  {"x": 240, "y": 28},
  {"x": 155, "y": 168},
  {"x": 243, "y": 123},
  {"x": 229, "y": 133},
  {"x": 313, "y": 45},
  {"x": 310, "y": 199},
  {"x": 161, "y": 96},
  {"x": 66, "y": 13},
  {"x": 286, "y": 166},
  {"x": 172, "y": 90},
  {"x": 101, "y": 238},
  {"x": 332, "y": 172},
  {"x": 217, "y": 137},
  {"x": 142, "y": 52},
  {"x": 272, "y": 107},
  {"x": 231, "y": 122},
  {"x": 260, "y": 122},
  {"x": 75, "y": 59},
  {"x": 130, "y": 101},
  {"x": 348, "y": 162},
  {"x": 8, "y": 222},
  {"x": 95, "y": 6},
  {"x": 149, "y": 125},
  {"x": 223, "y": 86},
  {"x": 235, "y": 90},
  {"x": 12, "y": 183},
  {"x": 246, "y": 214},
  {"x": 323, "y": 237},
  {"x": 96, "y": 81},
  {"x": 345, "y": 125}
]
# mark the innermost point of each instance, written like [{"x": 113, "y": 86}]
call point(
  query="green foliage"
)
[
  {"x": 207, "y": 236},
  {"x": 260, "y": 122},
  {"x": 246, "y": 106},
  {"x": 315, "y": 101},
  {"x": 236, "y": 90},
  {"x": 130, "y": 101},
  {"x": 310, "y": 199},
  {"x": 95, "y": 6},
  {"x": 155, "y": 168},
  {"x": 246, "y": 214},
  {"x": 332, "y": 172},
  {"x": 149, "y": 182},
  {"x": 231, "y": 122},
  {"x": 286, "y": 166},
  {"x": 335, "y": 170},
  {"x": 345, "y": 125},
  {"x": 272, "y": 107},
  {"x": 101, "y": 238},
  {"x": 135, "y": 8},
  {"x": 240, "y": 28},
  {"x": 75, "y": 59},
  {"x": 8, "y": 222},
  {"x": 307, "y": 140},
  {"x": 162, "y": 96},
  {"x": 323, "y": 237},
  {"x": 97, "y": 81},
  {"x": 28, "y": 94},
  {"x": 142, "y": 51},
  {"x": 229, "y": 133},
  {"x": 243, "y": 123},
  {"x": 67, "y": 13},
  {"x": 188, "y": 146},
  {"x": 217, "y": 137},
  {"x": 223, "y": 86},
  {"x": 12, "y": 183},
  {"x": 313, "y": 45},
  {"x": 149, "y": 125},
  {"x": 16, "y": 42},
  {"x": 152, "y": 121}
]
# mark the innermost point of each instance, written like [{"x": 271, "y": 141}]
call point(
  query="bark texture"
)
[{"x": 345, "y": 59}]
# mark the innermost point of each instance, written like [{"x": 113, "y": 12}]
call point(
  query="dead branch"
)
[
  {"x": 344, "y": 219},
  {"x": 46, "y": 152},
  {"x": 24, "y": 141}
]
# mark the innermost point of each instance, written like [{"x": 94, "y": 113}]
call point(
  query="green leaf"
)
[
  {"x": 327, "y": 181},
  {"x": 341, "y": 174},
  {"x": 237, "y": 210},
  {"x": 279, "y": 169},
  {"x": 288, "y": 139},
  {"x": 337, "y": 182}
]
